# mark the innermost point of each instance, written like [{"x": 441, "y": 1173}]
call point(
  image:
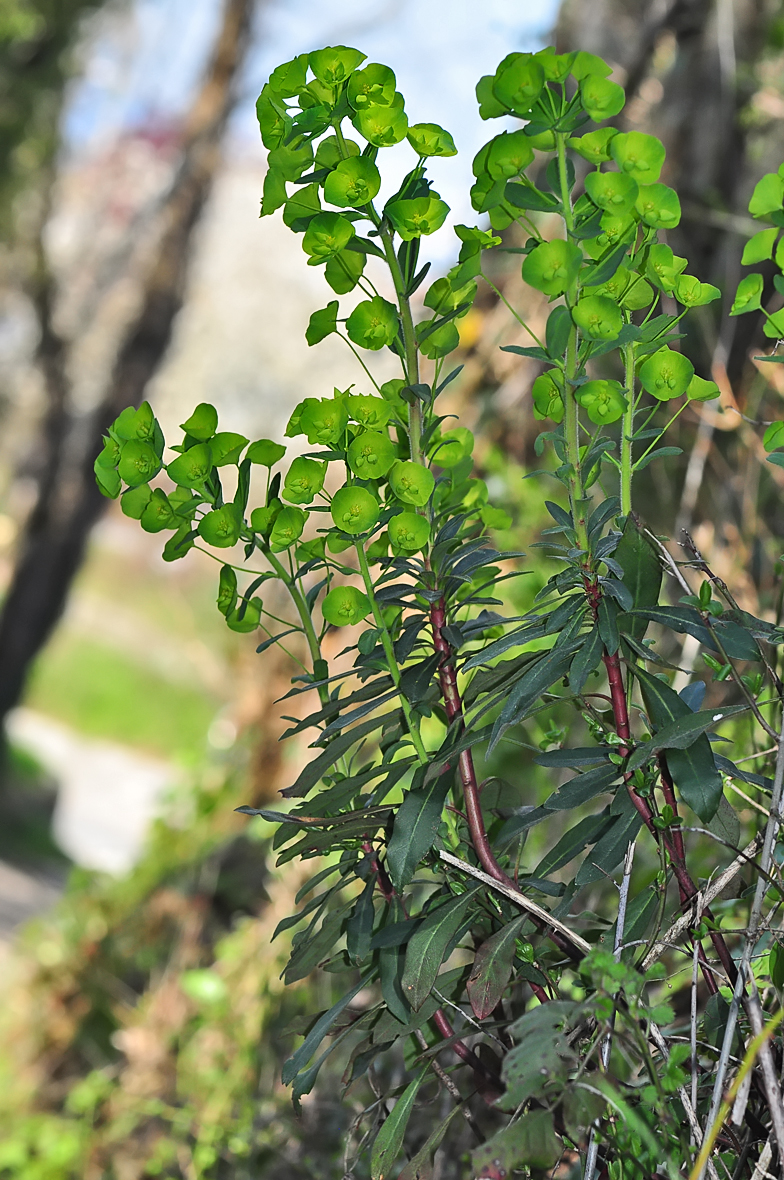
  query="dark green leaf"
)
[
  {"x": 425, "y": 951},
  {"x": 581, "y": 789},
  {"x": 312, "y": 773},
  {"x": 586, "y": 661},
  {"x": 359, "y": 928},
  {"x": 586, "y": 831},
  {"x": 530, "y": 1140},
  {"x": 419, "y": 1167},
  {"x": 559, "y": 325},
  {"x": 642, "y": 572},
  {"x": 391, "y": 960},
  {"x": 292, "y": 1066},
  {"x": 607, "y": 620},
  {"x": 531, "y": 686},
  {"x": 492, "y": 968},
  {"x": 389, "y": 1141},
  {"x": 610, "y": 850},
  {"x": 525, "y": 196},
  {"x": 573, "y": 758},
  {"x": 603, "y": 270},
  {"x": 310, "y": 952},
  {"x": 416, "y": 824},
  {"x": 683, "y": 732}
]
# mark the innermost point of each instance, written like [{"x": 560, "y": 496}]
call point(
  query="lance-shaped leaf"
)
[
  {"x": 427, "y": 947},
  {"x": 586, "y": 661},
  {"x": 531, "y": 1140},
  {"x": 642, "y": 573},
  {"x": 335, "y": 750},
  {"x": 611, "y": 848},
  {"x": 683, "y": 732},
  {"x": 492, "y": 968},
  {"x": 416, "y": 824},
  {"x": 531, "y": 686},
  {"x": 389, "y": 1141},
  {"x": 420, "y": 1166},
  {"x": 292, "y": 1066},
  {"x": 581, "y": 789}
]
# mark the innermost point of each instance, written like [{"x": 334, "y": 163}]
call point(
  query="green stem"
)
[
  {"x": 389, "y": 651},
  {"x": 664, "y": 430},
  {"x": 301, "y": 605},
  {"x": 411, "y": 358},
  {"x": 627, "y": 470}
]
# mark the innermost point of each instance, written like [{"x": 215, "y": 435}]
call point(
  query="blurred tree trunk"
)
[{"x": 68, "y": 503}]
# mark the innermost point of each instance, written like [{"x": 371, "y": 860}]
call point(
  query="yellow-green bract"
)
[
  {"x": 354, "y": 509},
  {"x": 345, "y": 605}
]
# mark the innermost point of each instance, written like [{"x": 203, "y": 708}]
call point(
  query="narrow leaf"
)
[
  {"x": 292, "y": 1066},
  {"x": 492, "y": 968},
  {"x": 416, "y": 824},
  {"x": 389, "y": 1141},
  {"x": 426, "y": 949}
]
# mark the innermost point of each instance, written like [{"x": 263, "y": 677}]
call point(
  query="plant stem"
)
[
  {"x": 297, "y": 597},
  {"x": 411, "y": 359},
  {"x": 389, "y": 651},
  {"x": 627, "y": 470}
]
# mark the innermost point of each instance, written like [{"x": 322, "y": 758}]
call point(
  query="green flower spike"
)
[
  {"x": 658, "y": 206},
  {"x": 334, "y": 64},
  {"x": 326, "y": 235},
  {"x": 598, "y": 318},
  {"x": 371, "y": 412},
  {"x": 202, "y": 423},
  {"x": 552, "y": 267},
  {"x": 245, "y": 616},
  {"x": 548, "y": 399},
  {"x": 382, "y": 126},
  {"x": 411, "y": 482},
  {"x": 510, "y": 153},
  {"x": 700, "y": 390},
  {"x": 417, "y": 217},
  {"x": 452, "y": 447},
  {"x": 666, "y": 374},
  {"x": 639, "y": 155},
  {"x": 373, "y": 323},
  {"x": 227, "y": 590},
  {"x": 595, "y": 146},
  {"x": 409, "y": 532},
  {"x": 265, "y": 452},
  {"x": 354, "y": 182},
  {"x": 304, "y": 480},
  {"x": 221, "y": 528},
  {"x": 371, "y": 455},
  {"x": 191, "y": 469},
  {"x": 324, "y": 421},
  {"x": 603, "y": 401},
  {"x": 601, "y": 98},
  {"x": 287, "y": 528},
  {"x": 138, "y": 463},
  {"x": 428, "y": 139},
  {"x": 345, "y": 605},
  {"x": 374, "y": 85},
  {"x": 615, "y": 192},
  {"x": 354, "y": 510},
  {"x": 519, "y": 80}
]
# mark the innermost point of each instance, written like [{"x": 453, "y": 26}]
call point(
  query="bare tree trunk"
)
[{"x": 68, "y": 502}]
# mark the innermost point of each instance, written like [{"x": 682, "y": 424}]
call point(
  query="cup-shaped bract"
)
[
  {"x": 373, "y": 85},
  {"x": 371, "y": 455},
  {"x": 135, "y": 424},
  {"x": 509, "y": 154},
  {"x": 601, "y": 98},
  {"x": 265, "y": 452},
  {"x": 192, "y": 468},
  {"x": 371, "y": 412},
  {"x": 639, "y": 155},
  {"x": 548, "y": 398},
  {"x": 768, "y": 195},
  {"x": 139, "y": 462},
  {"x": 304, "y": 480},
  {"x": 638, "y": 294},
  {"x": 134, "y": 501},
  {"x": 287, "y": 528},
  {"x": 773, "y": 327},
  {"x": 324, "y": 420},
  {"x": 345, "y": 606},
  {"x": 658, "y": 206},
  {"x": 245, "y": 615},
  {"x": 411, "y": 482},
  {"x": 748, "y": 296},
  {"x": 202, "y": 423},
  {"x": 226, "y": 447},
  {"x": 700, "y": 390},
  {"x": 451, "y": 447},
  {"x": 428, "y": 139},
  {"x": 759, "y": 248},
  {"x": 666, "y": 374},
  {"x": 594, "y": 146},
  {"x": 227, "y": 590},
  {"x": 354, "y": 509},
  {"x": 158, "y": 514},
  {"x": 692, "y": 293},
  {"x": 556, "y": 66},
  {"x": 603, "y": 401},
  {"x": 262, "y": 519},
  {"x": 416, "y": 217},
  {"x": 552, "y": 267},
  {"x": 382, "y": 126},
  {"x": 354, "y": 182},
  {"x": 518, "y": 82},
  {"x": 598, "y": 318},
  {"x": 373, "y": 323},
  {"x": 614, "y": 192},
  {"x": 326, "y": 235},
  {"x": 408, "y": 531},
  {"x": 335, "y": 63},
  {"x": 221, "y": 527},
  {"x": 438, "y": 342},
  {"x": 329, "y": 152},
  {"x": 663, "y": 267}
]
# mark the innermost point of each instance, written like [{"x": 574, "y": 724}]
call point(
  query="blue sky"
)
[{"x": 143, "y": 68}]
